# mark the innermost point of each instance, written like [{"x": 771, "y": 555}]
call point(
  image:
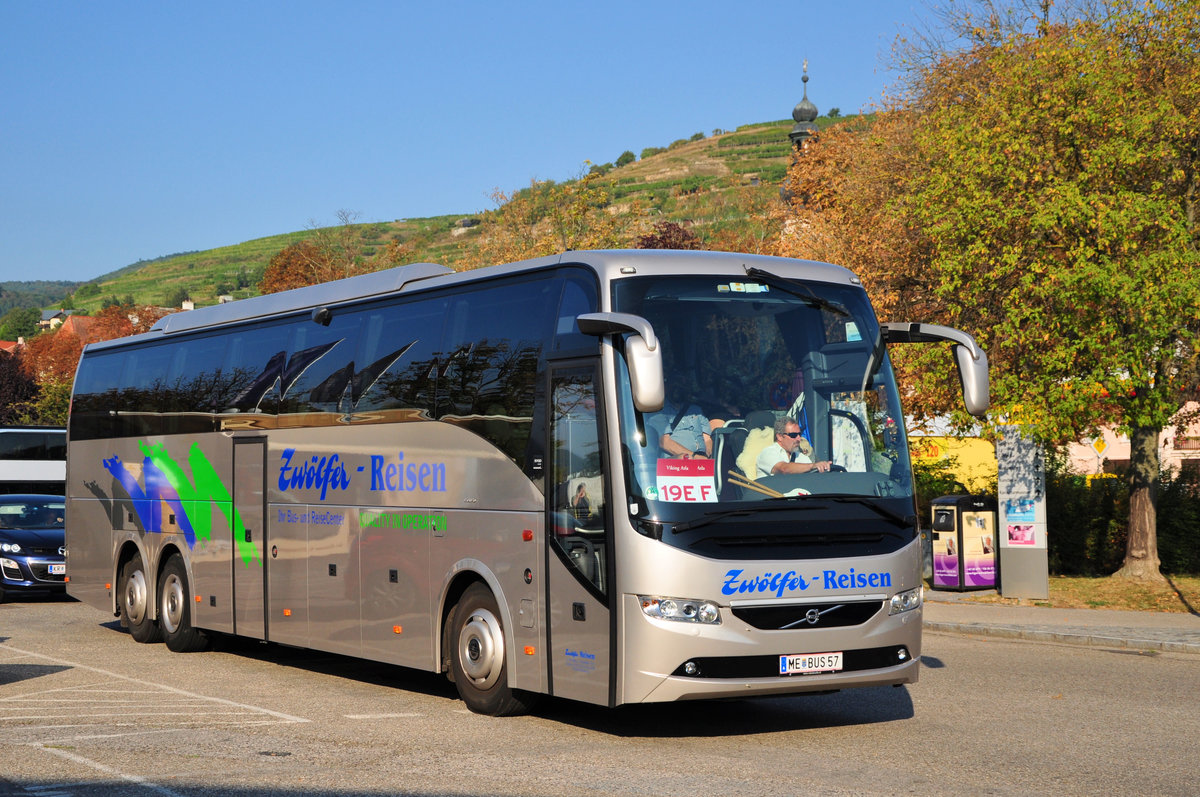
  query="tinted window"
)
[
  {"x": 195, "y": 382},
  {"x": 495, "y": 338},
  {"x": 398, "y": 351},
  {"x": 321, "y": 365},
  {"x": 33, "y": 445},
  {"x": 254, "y": 364},
  {"x": 97, "y": 398},
  {"x": 578, "y": 297}
]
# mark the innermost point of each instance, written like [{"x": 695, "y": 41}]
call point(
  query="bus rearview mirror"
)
[
  {"x": 971, "y": 359},
  {"x": 642, "y": 354}
]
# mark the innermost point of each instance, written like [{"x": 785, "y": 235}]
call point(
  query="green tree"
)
[
  {"x": 177, "y": 297},
  {"x": 49, "y": 407},
  {"x": 1059, "y": 189},
  {"x": 21, "y": 322},
  {"x": 625, "y": 158}
]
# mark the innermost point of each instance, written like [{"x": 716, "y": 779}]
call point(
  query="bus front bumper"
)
[{"x": 680, "y": 661}]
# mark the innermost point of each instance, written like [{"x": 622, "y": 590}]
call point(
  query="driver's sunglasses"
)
[{"x": 792, "y": 434}]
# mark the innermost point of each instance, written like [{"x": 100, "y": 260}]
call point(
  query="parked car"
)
[{"x": 32, "y": 545}]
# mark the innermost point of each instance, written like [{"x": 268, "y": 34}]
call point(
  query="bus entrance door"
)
[
  {"x": 249, "y": 543},
  {"x": 577, "y": 533}
]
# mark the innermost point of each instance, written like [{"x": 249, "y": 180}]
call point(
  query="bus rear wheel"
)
[
  {"x": 175, "y": 611},
  {"x": 477, "y": 656},
  {"x": 134, "y": 592}
]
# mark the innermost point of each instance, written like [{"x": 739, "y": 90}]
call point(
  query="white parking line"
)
[
  {"x": 164, "y": 687},
  {"x": 68, "y": 711},
  {"x": 107, "y": 770}
]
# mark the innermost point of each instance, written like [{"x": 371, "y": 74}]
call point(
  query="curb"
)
[{"x": 1084, "y": 638}]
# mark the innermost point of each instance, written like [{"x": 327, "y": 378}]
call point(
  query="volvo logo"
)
[{"x": 813, "y": 616}]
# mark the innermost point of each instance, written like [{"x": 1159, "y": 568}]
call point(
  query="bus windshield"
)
[{"x": 779, "y": 393}]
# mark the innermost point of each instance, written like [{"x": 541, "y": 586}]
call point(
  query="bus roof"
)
[{"x": 608, "y": 264}]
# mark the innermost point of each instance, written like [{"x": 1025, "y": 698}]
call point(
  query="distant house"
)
[
  {"x": 10, "y": 346},
  {"x": 51, "y": 319}
]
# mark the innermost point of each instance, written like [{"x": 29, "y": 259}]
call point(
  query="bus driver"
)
[{"x": 786, "y": 455}]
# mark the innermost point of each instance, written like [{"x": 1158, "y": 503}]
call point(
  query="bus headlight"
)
[
  {"x": 906, "y": 601},
  {"x": 685, "y": 610}
]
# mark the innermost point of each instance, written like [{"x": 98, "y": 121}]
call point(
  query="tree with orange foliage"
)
[
  {"x": 51, "y": 359},
  {"x": 295, "y": 266},
  {"x": 329, "y": 253}
]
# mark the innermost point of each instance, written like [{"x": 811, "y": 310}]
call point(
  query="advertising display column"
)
[{"x": 1024, "y": 559}]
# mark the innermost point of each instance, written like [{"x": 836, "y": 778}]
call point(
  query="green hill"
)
[{"x": 695, "y": 180}]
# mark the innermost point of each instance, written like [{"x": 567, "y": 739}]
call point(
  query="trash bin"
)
[{"x": 964, "y": 542}]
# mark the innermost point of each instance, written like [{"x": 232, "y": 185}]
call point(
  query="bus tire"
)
[
  {"x": 134, "y": 592},
  {"x": 175, "y": 610},
  {"x": 477, "y": 656}
]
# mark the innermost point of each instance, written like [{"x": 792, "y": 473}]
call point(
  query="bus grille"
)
[
  {"x": 768, "y": 666},
  {"x": 807, "y": 615}
]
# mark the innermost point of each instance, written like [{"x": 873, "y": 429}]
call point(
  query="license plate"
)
[
  {"x": 810, "y": 662},
  {"x": 58, "y": 570}
]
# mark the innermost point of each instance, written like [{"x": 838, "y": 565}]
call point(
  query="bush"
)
[
  {"x": 626, "y": 158},
  {"x": 651, "y": 151},
  {"x": 1088, "y": 522}
]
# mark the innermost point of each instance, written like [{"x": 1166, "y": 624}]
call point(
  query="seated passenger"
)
[
  {"x": 685, "y": 431},
  {"x": 787, "y": 454}
]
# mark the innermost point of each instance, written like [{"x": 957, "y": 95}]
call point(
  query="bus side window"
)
[
  {"x": 396, "y": 364},
  {"x": 254, "y": 364},
  {"x": 195, "y": 381},
  {"x": 320, "y": 365},
  {"x": 578, "y": 297},
  {"x": 495, "y": 338}
]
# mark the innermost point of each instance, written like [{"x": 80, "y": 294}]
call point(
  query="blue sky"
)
[{"x": 130, "y": 130}]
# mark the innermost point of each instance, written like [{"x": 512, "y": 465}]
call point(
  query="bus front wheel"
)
[
  {"x": 175, "y": 611},
  {"x": 134, "y": 591},
  {"x": 477, "y": 656}
]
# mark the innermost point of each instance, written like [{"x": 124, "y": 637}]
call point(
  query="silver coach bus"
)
[{"x": 474, "y": 473}]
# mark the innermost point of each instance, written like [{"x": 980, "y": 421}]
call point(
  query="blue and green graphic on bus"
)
[{"x": 164, "y": 481}]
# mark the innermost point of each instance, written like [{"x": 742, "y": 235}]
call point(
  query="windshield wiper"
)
[
  {"x": 797, "y": 289},
  {"x": 903, "y": 521}
]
